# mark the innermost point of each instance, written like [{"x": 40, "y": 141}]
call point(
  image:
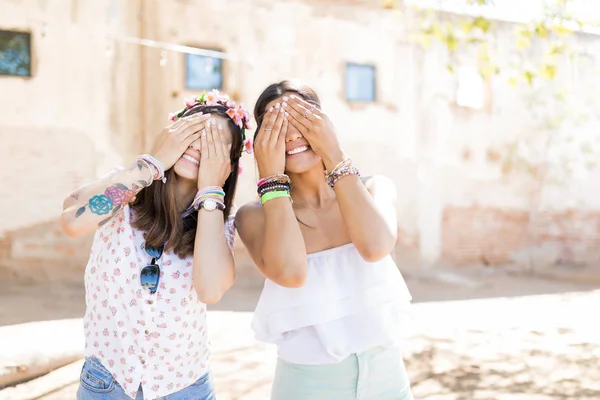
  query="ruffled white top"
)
[{"x": 347, "y": 305}]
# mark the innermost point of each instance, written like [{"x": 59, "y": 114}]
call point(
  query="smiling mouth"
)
[
  {"x": 297, "y": 150},
  {"x": 191, "y": 159}
]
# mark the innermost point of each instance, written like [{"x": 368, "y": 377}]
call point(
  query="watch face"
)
[{"x": 209, "y": 205}]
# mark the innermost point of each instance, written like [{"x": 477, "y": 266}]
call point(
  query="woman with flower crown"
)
[
  {"x": 333, "y": 302},
  {"x": 162, "y": 250}
]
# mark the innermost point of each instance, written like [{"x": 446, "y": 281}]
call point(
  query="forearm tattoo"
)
[{"x": 114, "y": 197}]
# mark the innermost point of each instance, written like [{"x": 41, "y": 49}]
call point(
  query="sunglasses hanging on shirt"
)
[{"x": 150, "y": 275}]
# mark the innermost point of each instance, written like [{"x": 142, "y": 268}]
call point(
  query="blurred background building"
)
[{"x": 487, "y": 125}]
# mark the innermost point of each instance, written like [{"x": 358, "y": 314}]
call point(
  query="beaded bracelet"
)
[
  {"x": 279, "y": 178},
  {"x": 342, "y": 169},
  {"x": 267, "y": 187},
  {"x": 160, "y": 169},
  {"x": 274, "y": 195}
]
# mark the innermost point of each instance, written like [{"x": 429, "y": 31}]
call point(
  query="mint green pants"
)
[{"x": 375, "y": 374}]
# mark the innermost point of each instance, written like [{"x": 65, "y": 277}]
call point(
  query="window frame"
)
[
  {"x": 186, "y": 70},
  {"x": 28, "y": 36},
  {"x": 373, "y": 67}
]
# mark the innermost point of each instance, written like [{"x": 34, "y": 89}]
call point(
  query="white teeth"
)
[
  {"x": 190, "y": 159},
  {"x": 297, "y": 150}
]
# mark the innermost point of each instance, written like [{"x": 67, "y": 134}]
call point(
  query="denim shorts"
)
[
  {"x": 375, "y": 374},
  {"x": 97, "y": 383}
]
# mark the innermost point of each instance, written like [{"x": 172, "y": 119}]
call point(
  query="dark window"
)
[
  {"x": 360, "y": 82},
  {"x": 203, "y": 72},
  {"x": 15, "y": 53}
]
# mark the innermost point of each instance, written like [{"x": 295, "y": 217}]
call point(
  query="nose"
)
[
  {"x": 196, "y": 145},
  {"x": 292, "y": 133}
]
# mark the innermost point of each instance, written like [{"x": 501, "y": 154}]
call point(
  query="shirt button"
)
[
  {"x": 150, "y": 301},
  {"x": 142, "y": 361},
  {"x": 147, "y": 332}
]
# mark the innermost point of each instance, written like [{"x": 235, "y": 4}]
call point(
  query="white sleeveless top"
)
[{"x": 347, "y": 305}]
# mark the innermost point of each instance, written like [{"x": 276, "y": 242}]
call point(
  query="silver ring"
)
[
  {"x": 268, "y": 129},
  {"x": 307, "y": 113},
  {"x": 312, "y": 108}
]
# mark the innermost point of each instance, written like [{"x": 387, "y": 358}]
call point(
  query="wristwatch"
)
[{"x": 211, "y": 205}]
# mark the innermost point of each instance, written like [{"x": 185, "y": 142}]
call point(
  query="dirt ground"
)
[{"x": 478, "y": 334}]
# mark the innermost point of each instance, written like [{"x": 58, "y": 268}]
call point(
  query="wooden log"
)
[
  {"x": 33, "y": 349},
  {"x": 44, "y": 385}
]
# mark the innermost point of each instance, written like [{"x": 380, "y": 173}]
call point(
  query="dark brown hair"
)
[
  {"x": 277, "y": 90},
  {"x": 157, "y": 208}
]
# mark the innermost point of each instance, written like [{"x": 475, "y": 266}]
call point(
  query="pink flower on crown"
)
[
  {"x": 248, "y": 146},
  {"x": 240, "y": 112},
  {"x": 231, "y": 113},
  {"x": 211, "y": 98},
  {"x": 190, "y": 101},
  {"x": 224, "y": 99},
  {"x": 173, "y": 116}
]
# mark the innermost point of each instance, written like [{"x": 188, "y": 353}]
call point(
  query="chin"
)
[
  {"x": 303, "y": 162},
  {"x": 184, "y": 170}
]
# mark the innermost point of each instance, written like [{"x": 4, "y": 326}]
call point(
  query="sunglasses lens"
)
[{"x": 149, "y": 277}]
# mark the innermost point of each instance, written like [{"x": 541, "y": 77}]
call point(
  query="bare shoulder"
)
[
  {"x": 249, "y": 214},
  {"x": 380, "y": 186}
]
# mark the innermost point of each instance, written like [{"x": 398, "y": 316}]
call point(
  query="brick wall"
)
[{"x": 489, "y": 236}]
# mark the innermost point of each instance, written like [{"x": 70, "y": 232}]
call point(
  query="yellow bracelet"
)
[{"x": 273, "y": 195}]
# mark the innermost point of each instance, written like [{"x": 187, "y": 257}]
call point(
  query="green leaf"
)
[
  {"x": 529, "y": 76},
  {"x": 482, "y": 23},
  {"x": 549, "y": 71},
  {"x": 144, "y": 183},
  {"x": 541, "y": 30},
  {"x": 451, "y": 42},
  {"x": 80, "y": 211},
  {"x": 104, "y": 221},
  {"x": 466, "y": 26}
]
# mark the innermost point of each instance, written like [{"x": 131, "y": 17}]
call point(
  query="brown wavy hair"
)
[
  {"x": 157, "y": 206},
  {"x": 276, "y": 90}
]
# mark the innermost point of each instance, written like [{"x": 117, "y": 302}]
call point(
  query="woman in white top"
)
[
  {"x": 161, "y": 251},
  {"x": 333, "y": 300}
]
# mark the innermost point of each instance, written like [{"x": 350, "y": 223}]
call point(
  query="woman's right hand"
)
[
  {"x": 174, "y": 140},
  {"x": 269, "y": 146}
]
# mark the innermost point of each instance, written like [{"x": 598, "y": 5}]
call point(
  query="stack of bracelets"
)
[
  {"x": 273, "y": 187},
  {"x": 344, "y": 168},
  {"x": 154, "y": 165},
  {"x": 213, "y": 193}
]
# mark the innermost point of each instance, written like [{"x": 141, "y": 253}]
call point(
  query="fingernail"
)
[
  {"x": 203, "y": 133},
  {"x": 282, "y": 110},
  {"x": 277, "y": 106},
  {"x": 284, "y": 105},
  {"x": 271, "y": 109},
  {"x": 293, "y": 96},
  {"x": 285, "y": 98},
  {"x": 220, "y": 126},
  {"x": 200, "y": 113},
  {"x": 287, "y": 114}
]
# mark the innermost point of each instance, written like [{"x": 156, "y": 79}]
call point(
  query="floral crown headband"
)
[{"x": 238, "y": 114}]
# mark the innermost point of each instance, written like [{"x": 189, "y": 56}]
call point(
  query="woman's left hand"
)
[
  {"x": 215, "y": 162},
  {"x": 317, "y": 129}
]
